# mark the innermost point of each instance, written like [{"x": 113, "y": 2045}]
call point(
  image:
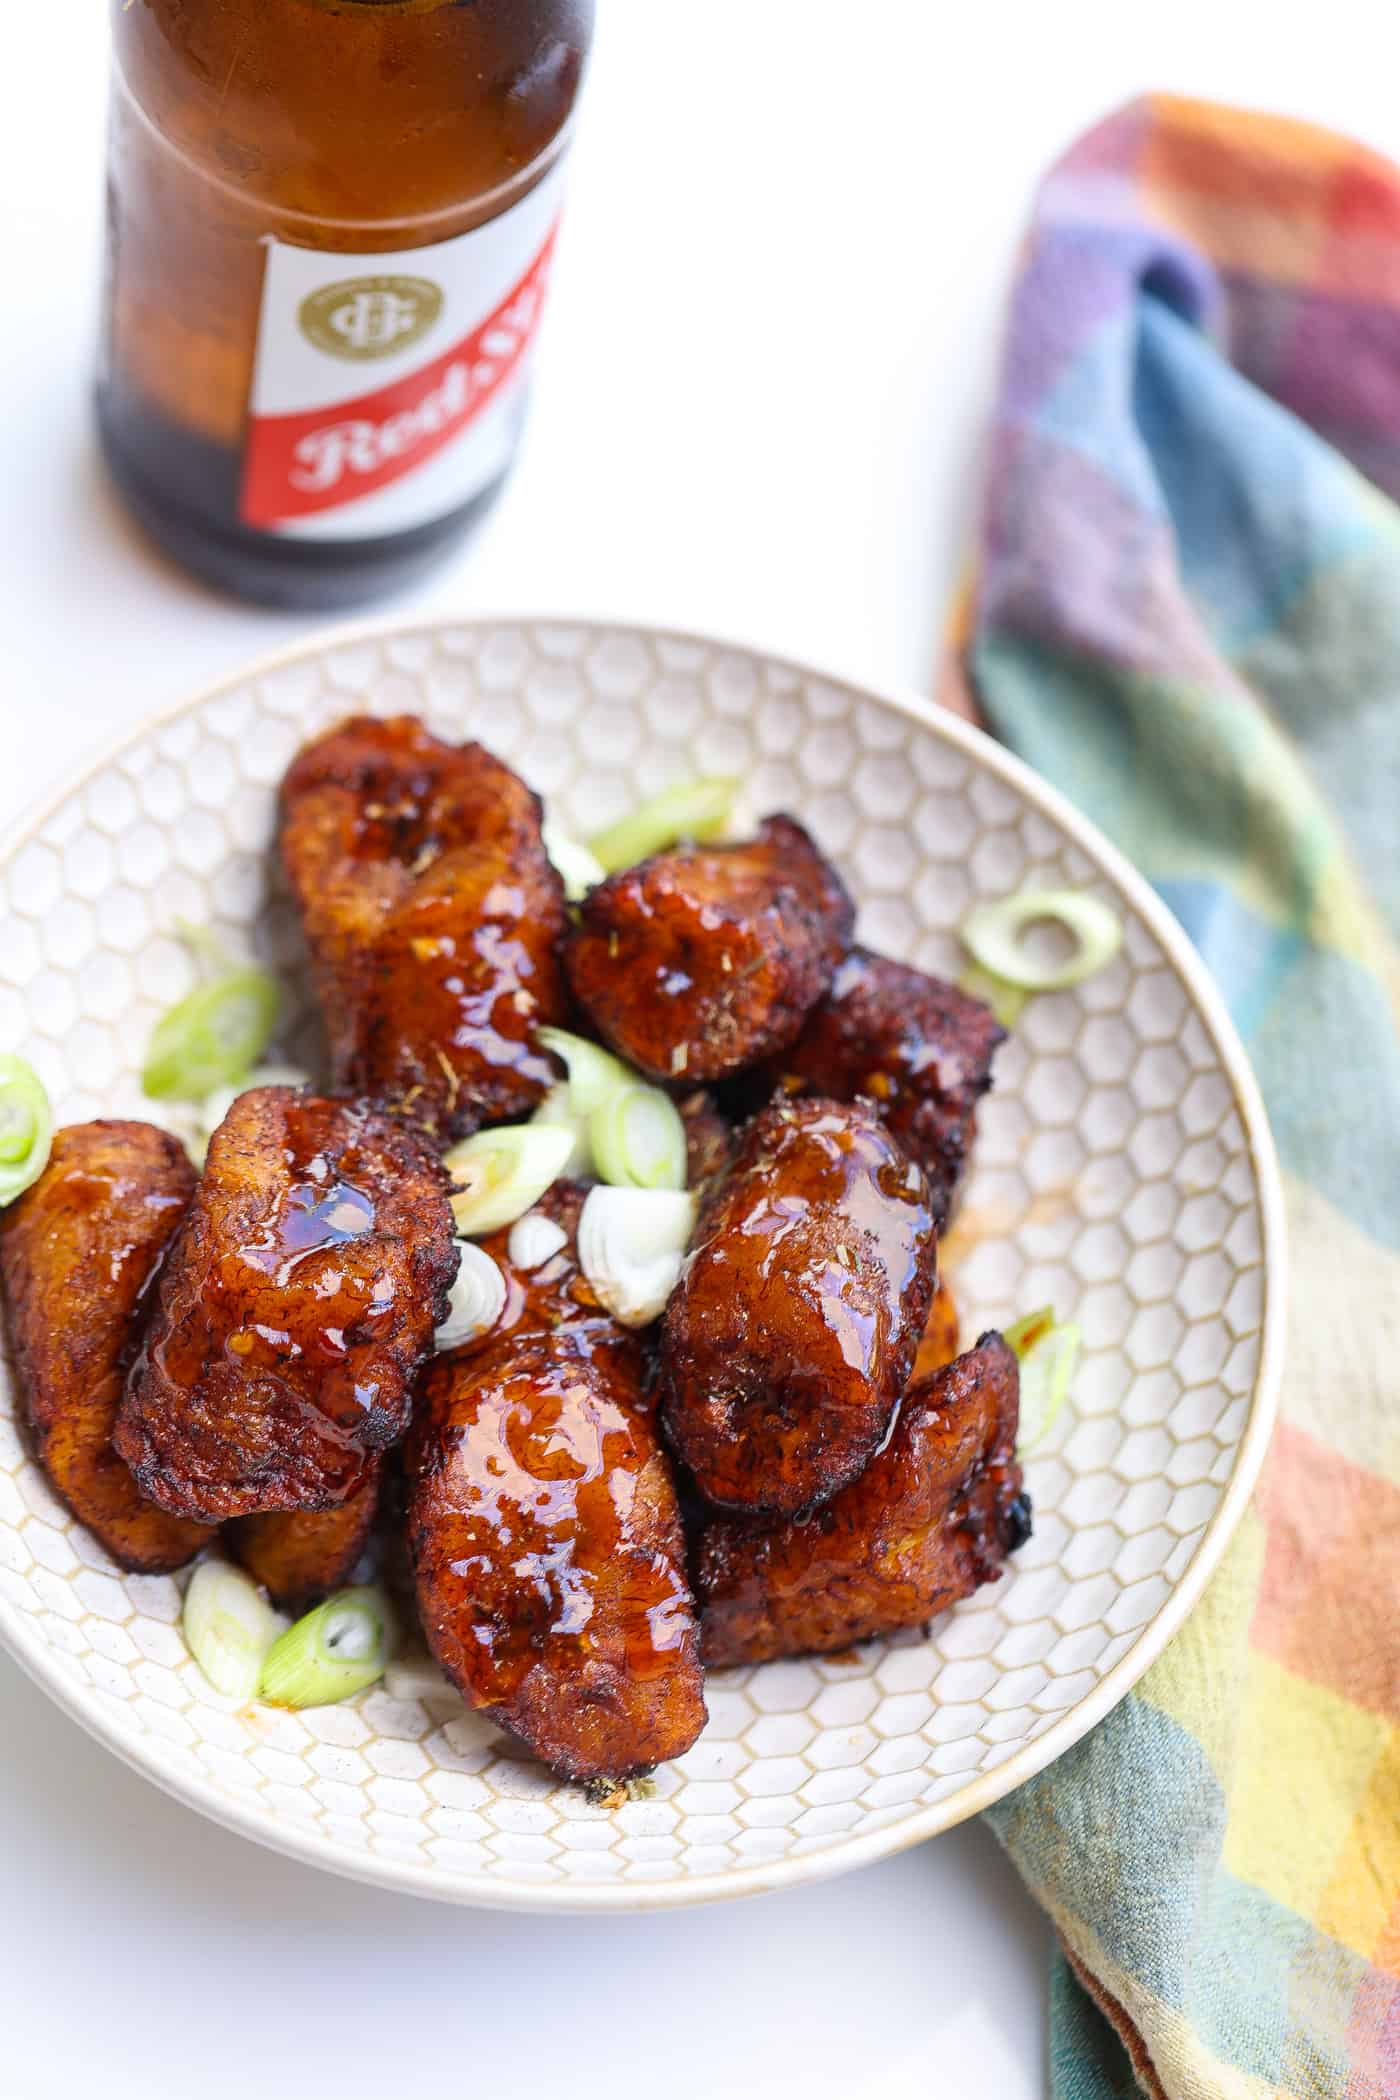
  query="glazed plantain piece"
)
[
  {"x": 710, "y": 1139},
  {"x": 78, "y": 1252},
  {"x": 296, "y": 1304},
  {"x": 301, "y": 1555},
  {"x": 549, "y": 1557},
  {"x": 696, "y": 963},
  {"x": 939, "y": 1344},
  {"x": 918, "y": 1048},
  {"x": 433, "y": 918},
  {"x": 788, "y": 1341},
  {"x": 930, "y": 1519}
]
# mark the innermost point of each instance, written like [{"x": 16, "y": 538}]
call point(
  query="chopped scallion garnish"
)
[
  {"x": 26, "y": 1126},
  {"x": 578, "y": 868},
  {"x": 638, "y": 1138},
  {"x": 992, "y": 936},
  {"x": 534, "y": 1240},
  {"x": 594, "y": 1073},
  {"x": 1007, "y": 1001},
  {"x": 338, "y": 1649},
  {"x": 212, "y": 1038},
  {"x": 229, "y": 1626},
  {"x": 502, "y": 1173},
  {"x": 631, "y": 1244},
  {"x": 696, "y": 809},
  {"x": 1048, "y": 1350},
  {"x": 478, "y": 1298},
  {"x": 558, "y": 1111}
]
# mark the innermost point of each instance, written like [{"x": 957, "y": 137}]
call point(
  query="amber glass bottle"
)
[{"x": 329, "y": 230}]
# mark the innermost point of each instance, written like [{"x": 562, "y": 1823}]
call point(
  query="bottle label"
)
[{"x": 388, "y": 388}]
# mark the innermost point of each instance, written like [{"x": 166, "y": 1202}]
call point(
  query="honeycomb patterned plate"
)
[{"x": 1124, "y": 1173}]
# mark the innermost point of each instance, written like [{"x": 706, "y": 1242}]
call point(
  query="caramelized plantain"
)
[
  {"x": 548, "y": 1554},
  {"x": 433, "y": 917},
  {"x": 930, "y": 1519},
  {"x": 939, "y": 1343},
  {"x": 696, "y": 963},
  {"x": 78, "y": 1252},
  {"x": 918, "y": 1048},
  {"x": 298, "y": 1299},
  {"x": 301, "y": 1555},
  {"x": 788, "y": 1340}
]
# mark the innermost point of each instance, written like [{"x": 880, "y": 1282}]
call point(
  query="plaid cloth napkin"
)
[{"x": 1187, "y": 614}]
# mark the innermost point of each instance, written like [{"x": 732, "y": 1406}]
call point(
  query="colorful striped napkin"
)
[{"x": 1187, "y": 615}]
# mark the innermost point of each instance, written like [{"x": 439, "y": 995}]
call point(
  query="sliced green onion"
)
[
  {"x": 594, "y": 1073},
  {"x": 992, "y": 933},
  {"x": 631, "y": 1244},
  {"x": 534, "y": 1240},
  {"x": 26, "y": 1126},
  {"x": 1007, "y": 1001},
  {"x": 558, "y": 1111},
  {"x": 212, "y": 1038},
  {"x": 335, "y": 1651},
  {"x": 229, "y": 1626},
  {"x": 638, "y": 1139},
  {"x": 500, "y": 1174},
  {"x": 1048, "y": 1350},
  {"x": 477, "y": 1300},
  {"x": 578, "y": 869},
  {"x": 697, "y": 809}
]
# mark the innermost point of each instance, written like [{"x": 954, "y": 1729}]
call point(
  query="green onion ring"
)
[
  {"x": 26, "y": 1126},
  {"x": 992, "y": 936},
  {"x": 696, "y": 809}
]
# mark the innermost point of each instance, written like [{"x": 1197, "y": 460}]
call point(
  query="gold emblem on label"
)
[{"x": 363, "y": 318}]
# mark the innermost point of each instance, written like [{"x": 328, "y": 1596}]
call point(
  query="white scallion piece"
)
[
  {"x": 500, "y": 1174},
  {"x": 631, "y": 1245},
  {"x": 558, "y": 1111},
  {"x": 336, "y": 1650},
  {"x": 229, "y": 1626},
  {"x": 1048, "y": 1351},
  {"x": 26, "y": 1126},
  {"x": 534, "y": 1240},
  {"x": 594, "y": 1073},
  {"x": 992, "y": 935},
  {"x": 638, "y": 1138},
  {"x": 578, "y": 868},
  {"x": 477, "y": 1300},
  {"x": 696, "y": 809}
]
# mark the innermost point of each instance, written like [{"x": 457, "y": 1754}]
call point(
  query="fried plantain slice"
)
[
  {"x": 301, "y": 1555},
  {"x": 939, "y": 1342},
  {"x": 918, "y": 1048},
  {"x": 696, "y": 963},
  {"x": 433, "y": 918},
  {"x": 297, "y": 1302},
  {"x": 930, "y": 1519},
  {"x": 78, "y": 1253},
  {"x": 788, "y": 1341},
  {"x": 549, "y": 1557}
]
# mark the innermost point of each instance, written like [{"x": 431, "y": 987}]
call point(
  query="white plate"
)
[{"x": 1124, "y": 1172}]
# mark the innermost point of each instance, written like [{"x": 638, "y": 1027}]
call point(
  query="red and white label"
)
[{"x": 388, "y": 387}]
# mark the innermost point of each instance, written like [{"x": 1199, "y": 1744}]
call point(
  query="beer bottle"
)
[{"x": 329, "y": 230}]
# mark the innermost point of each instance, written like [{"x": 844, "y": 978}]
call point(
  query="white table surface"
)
[{"x": 758, "y": 411}]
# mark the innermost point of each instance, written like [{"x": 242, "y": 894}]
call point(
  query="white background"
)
[{"x": 760, "y": 394}]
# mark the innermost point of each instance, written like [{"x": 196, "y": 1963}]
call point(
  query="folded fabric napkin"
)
[{"x": 1186, "y": 613}]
